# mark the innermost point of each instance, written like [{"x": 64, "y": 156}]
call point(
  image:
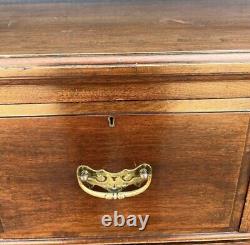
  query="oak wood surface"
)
[
  {"x": 123, "y": 26},
  {"x": 193, "y": 188}
]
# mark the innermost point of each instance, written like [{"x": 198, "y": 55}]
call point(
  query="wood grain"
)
[
  {"x": 123, "y": 26},
  {"x": 122, "y": 89},
  {"x": 193, "y": 188},
  {"x": 245, "y": 222},
  {"x": 227, "y": 243},
  {"x": 71, "y": 70},
  {"x": 176, "y": 77},
  {"x": 1, "y": 226},
  {"x": 126, "y": 107},
  {"x": 81, "y": 59},
  {"x": 243, "y": 184},
  {"x": 216, "y": 238}
]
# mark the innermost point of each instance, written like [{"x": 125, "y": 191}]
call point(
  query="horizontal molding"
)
[
  {"x": 68, "y": 65},
  {"x": 129, "y": 107},
  {"x": 212, "y": 56},
  {"x": 113, "y": 90},
  {"x": 178, "y": 238}
]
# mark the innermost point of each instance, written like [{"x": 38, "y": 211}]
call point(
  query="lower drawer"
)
[{"x": 198, "y": 178}]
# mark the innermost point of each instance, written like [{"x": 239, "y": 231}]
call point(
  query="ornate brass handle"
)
[{"x": 114, "y": 185}]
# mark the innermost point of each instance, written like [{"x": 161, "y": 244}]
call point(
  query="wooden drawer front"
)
[{"x": 196, "y": 186}]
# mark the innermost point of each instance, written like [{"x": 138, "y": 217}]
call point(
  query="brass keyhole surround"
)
[{"x": 111, "y": 121}]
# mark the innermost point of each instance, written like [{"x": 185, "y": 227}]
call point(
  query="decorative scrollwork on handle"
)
[{"x": 114, "y": 185}]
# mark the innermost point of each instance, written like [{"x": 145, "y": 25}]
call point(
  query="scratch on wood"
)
[{"x": 179, "y": 21}]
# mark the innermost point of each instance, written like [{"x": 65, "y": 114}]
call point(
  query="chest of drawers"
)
[{"x": 136, "y": 109}]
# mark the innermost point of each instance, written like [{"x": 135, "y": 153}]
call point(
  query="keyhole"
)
[{"x": 111, "y": 121}]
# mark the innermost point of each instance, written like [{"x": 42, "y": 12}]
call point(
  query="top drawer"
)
[
  {"x": 198, "y": 182},
  {"x": 123, "y": 77}
]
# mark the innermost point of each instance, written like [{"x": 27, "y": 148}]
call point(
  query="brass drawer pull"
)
[{"x": 114, "y": 185}]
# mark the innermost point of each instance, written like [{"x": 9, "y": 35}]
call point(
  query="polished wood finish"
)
[
  {"x": 121, "y": 89},
  {"x": 175, "y": 75},
  {"x": 228, "y": 243},
  {"x": 123, "y": 26},
  {"x": 1, "y": 226},
  {"x": 28, "y": 66},
  {"x": 129, "y": 107},
  {"x": 243, "y": 182},
  {"x": 222, "y": 238},
  {"x": 40, "y": 196},
  {"x": 245, "y": 222}
]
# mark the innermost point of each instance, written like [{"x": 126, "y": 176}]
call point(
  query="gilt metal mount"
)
[{"x": 114, "y": 185}]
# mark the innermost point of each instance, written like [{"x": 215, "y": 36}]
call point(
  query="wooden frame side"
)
[
  {"x": 242, "y": 185},
  {"x": 1, "y": 226},
  {"x": 245, "y": 221}
]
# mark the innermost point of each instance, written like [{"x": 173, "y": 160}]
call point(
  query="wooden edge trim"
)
[
  {"x": 127, "y": 107},
  {"x": 213, "y": 62},
  {"x": 240, "y": 56},
  {"x": 245, "y": 220},
  {"x": 242, "y": 185},
  {"x": 178, "y": 238},
  {"x": 133, "y": 69},
  {"x": 1, "y": 226}
]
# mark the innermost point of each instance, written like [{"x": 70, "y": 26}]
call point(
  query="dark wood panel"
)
[
  {"x": 123, "y": 26},
  {"x": 108, "y": 90},
  {"x": 196, "y": 162}
]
